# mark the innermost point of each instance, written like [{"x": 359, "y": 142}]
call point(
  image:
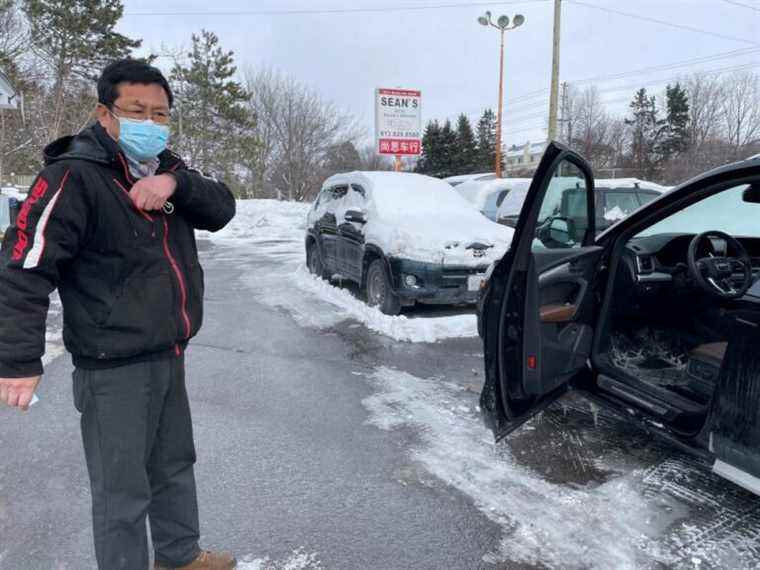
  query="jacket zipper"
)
[
  {"x": 138, "y": 210},
  {"x": 180, "y": 280}
]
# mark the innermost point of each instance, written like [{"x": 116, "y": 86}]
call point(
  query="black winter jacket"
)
[{"x": 130, "y": 282}]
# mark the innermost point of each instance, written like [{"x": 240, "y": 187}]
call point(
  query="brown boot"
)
[{"x": 206, "y": 560}]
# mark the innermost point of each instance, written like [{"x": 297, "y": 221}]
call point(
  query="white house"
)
[{"x": 524, "y": 157}]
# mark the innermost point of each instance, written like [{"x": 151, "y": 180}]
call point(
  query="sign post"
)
[{"x": 398, "y": 123}]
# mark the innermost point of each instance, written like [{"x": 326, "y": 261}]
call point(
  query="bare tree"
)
[
  {"x": 705, "y": 105},
  {"x": 741, "y": 110},
  {"x": 296, "y": 129}
]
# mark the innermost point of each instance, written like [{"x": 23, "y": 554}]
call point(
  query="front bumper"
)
[{"x": 436, "y": 283}]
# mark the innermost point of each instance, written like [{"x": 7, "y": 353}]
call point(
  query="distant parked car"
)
[
  {"x": 461, "y": 179},
  {"x": 488, "y": 195},
  {"x": 614, "y": 200},
  {"x": 403, "y": 238}
]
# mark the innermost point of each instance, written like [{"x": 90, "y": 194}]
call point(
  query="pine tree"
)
[
  {"x": 467, "y": 149},
  {"x": 646, "y": 134},
  {"x": 430, "y": 159},
  {"x": 486, "y": 142},
  {"x": 448, "y": 153},
  {"x": 74, "y": 39},
  {"x": 213, "y": 126},
  {"x": 676, "y": 128}
]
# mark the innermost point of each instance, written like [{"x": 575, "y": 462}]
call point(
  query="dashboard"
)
[{"x": 659, "y": 261}]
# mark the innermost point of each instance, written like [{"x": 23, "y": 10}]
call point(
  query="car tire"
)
[
  {"x": 314, "y": 261},
  {"x": 379, "y": 289}
]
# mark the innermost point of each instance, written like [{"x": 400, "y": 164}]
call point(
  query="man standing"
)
[{"x": 110, "y": 222}]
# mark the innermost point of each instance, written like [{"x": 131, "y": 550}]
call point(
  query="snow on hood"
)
[{"x": 424, "y": 219}]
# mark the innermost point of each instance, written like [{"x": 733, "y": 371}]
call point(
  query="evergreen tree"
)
[
  {"x": 430, "y": 159},
  {"x": 448, "y": 151},
  {"x": 467, "y": 149},
  {"x": 213, "y": 126},
  {"x": 74, "y": 39},
  {"x": 676, "y": 129},
  {"x": 646, "y": 131},
  {"x": 486, "y": 142}
]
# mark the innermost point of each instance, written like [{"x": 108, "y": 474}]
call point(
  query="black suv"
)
[{"x": 402, "y": 238}]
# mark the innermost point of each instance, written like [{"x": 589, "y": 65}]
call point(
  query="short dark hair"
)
[{"x": 129, "y": 70}]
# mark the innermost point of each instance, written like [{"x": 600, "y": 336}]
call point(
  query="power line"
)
[
  {"x": 734, "y": 3},
  {"x": 669, "y": 66},
  {"x": 333, "y": 11},
  {"x": 662, "y": 22}
]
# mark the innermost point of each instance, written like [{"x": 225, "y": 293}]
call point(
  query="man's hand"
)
[
  {"x": 17, "y": 392},
  {"x": 152, "y": 192}
]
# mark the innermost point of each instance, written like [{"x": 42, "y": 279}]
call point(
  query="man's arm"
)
[
  {"x": 47, "y": 234},
  {"x": 206, "y": 203}
]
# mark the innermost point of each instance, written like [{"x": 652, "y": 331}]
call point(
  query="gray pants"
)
[{"x": 138, "y": 441}]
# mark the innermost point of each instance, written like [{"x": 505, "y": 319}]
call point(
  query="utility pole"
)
[{"x": 554, "y": 95}]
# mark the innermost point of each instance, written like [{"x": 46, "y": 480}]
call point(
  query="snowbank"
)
[{"x": 270, "y": 235}]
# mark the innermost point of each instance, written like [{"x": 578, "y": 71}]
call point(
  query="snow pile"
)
[
  {"x": 399, "y": 328},
  {"x": 271, "y": 234},
  {"x": 611, "y": 525},
  {"x": 419, "y": 218},
  {"x": 614, "y": 214}
]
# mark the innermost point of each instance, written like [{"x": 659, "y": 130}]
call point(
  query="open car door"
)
[{"x": 538, "y": 305}]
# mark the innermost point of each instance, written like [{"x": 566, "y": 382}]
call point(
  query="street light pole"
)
[
  {"x": 502, "y": 24},
  {"x": 501, "y": 107}
]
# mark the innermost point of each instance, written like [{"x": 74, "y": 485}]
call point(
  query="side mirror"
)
[
  {"x": 355, "y": 216},
  {"x": 752, "y": 194},
  {"x": 559, "y": 230}
]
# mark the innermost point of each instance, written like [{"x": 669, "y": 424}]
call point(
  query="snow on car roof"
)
[
  {"x": 513, "y": 203},
  {"x": 478, "y": 191},
  {"x": 401, "y": 192},
  {"x": 630, "y": 183}
]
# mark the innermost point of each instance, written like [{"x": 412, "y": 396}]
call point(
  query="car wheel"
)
[
  {"x": 314, "y": 261},
  {"x": 379, "y": 290}
]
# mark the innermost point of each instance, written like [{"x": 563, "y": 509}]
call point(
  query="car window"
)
[
  {"x": 725, "y": 211},
  {"x": 492, "y": 203},
  {"x": 647, "y": 196},
  {"x": 619, "y": 204},
  {"x": 563, "y": 217}
]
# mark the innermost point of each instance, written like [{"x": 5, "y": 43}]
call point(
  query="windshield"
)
[{"x": 725, "y": 211}]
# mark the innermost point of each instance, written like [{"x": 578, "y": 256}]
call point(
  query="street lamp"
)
[{"x": 501, "y": 24}]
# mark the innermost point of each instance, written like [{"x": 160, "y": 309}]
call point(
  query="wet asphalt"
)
[{"x": 288, "y": 462}]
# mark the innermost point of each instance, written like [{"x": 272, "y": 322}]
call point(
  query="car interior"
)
[{"x": 678, "y": 290}]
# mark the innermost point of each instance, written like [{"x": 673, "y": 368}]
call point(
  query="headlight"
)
[{"x": 410, "y": 280}]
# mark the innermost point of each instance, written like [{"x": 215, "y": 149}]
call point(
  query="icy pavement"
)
[
  {"x": 574, "y": 488},
  {"x": 598, "y": 509},
  {"x": 276, "y": 231},
  {"x": 298, "y": 560}
]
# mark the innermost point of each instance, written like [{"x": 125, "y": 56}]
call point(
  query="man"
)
[{"x": 110, "y": 222}]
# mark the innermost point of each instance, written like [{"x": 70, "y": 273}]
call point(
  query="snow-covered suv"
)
[{"x": 403, "y": 238}]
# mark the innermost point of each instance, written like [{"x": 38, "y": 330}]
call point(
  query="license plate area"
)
[{"x": 474, "y": 282}]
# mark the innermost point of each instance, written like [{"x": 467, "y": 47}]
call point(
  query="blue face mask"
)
[{"x": 142, "y": 140}]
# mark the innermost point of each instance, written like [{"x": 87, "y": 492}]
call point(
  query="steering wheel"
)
[{"x": 716, "y": 274}]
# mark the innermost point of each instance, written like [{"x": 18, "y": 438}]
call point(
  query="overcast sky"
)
[{"x": 453, "y": 60}]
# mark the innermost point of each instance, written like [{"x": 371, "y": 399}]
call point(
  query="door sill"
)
[{"x": 736, "y": 475}]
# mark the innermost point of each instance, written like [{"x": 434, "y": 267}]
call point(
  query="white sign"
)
[
  {"x": 398, "y": 122},
  {"x": 9, "y": 99}
]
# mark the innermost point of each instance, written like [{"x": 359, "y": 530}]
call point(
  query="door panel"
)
[
  {"x": 351, "y": 235},
  {"x": 538, "y": 309},
  {"x": 328, "y": 229}
]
